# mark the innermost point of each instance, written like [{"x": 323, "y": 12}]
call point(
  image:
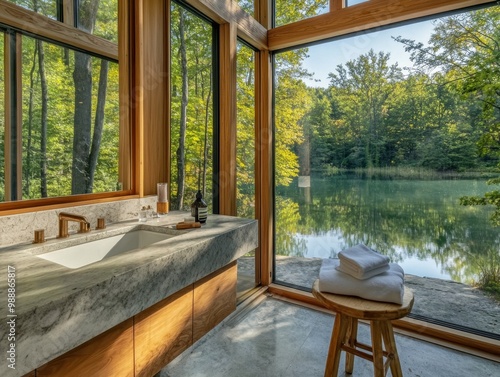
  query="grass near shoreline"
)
[{"x": 406, "y": 172}]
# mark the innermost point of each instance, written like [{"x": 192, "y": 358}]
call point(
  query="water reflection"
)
[{"x": 417, "y": 223}]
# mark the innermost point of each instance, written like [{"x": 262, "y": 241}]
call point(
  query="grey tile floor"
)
[{"x": 277, "y": 338}]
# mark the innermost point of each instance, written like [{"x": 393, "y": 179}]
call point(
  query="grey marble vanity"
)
[{"x": 59, "y": 308}]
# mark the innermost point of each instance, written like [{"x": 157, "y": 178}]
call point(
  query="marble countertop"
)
[{"x": 58, "y": 308}]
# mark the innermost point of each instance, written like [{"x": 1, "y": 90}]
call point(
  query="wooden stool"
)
[{"x": 348, "y": 310}]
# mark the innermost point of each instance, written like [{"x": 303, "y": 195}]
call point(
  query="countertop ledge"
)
[{"x": 59, "y": 308}]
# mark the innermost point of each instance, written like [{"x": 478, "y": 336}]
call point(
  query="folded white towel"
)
[
  {"x": 361, "y": 259},
  {"x": 387, "y": 286},
  {"x": 362, "y": 275}
]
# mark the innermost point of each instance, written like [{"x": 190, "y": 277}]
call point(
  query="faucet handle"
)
[
  {"x": 84, "y": 227},
  {"x": 101, "y": 223},
  {"x": 39, "y": 236}
]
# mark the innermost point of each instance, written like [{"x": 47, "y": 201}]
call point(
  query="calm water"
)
[{"x": 418, "y": 224}]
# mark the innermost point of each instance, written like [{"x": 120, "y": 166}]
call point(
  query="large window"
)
[
  {"x": 378, "y": 137},
  {"x": 60, "y": 116},
  {"x": 192, "y": 108}
]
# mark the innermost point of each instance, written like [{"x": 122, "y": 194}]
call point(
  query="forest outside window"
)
[
  {"x": 381, "y": 139},
  {"x": 192, "y": 108},
  {"x": 60, "y": 115}
]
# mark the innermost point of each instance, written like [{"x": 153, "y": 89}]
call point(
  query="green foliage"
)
[
  {"x": 198, "y": 45},
  {"x": 245, "y": 132},
  {"x": 287, "y": 12}
]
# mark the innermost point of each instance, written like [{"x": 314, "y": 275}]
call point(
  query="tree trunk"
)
[
  {"x": 82, "y": 77},
  {"x": 183, "y": 119},
  {"x": 43, "y": 126},
  {"x": 29, "y": 151},
  {"x": 205, "y": 141},
  {"x": 98, "y": 124}
]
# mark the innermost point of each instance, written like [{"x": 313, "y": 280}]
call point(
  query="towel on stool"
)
[
  {"x": 387, "y": 286},
  {"x": 360, "y": 259},
  {"x": 363, "y": 275}
]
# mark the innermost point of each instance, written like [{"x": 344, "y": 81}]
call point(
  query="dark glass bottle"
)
[{"x": 199, "y": 209}]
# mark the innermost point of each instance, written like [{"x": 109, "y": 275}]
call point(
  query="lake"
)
[{"x": 417, "y": 223}]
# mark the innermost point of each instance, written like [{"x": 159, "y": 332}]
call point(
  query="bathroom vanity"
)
[{"x": 128, "y": 314}]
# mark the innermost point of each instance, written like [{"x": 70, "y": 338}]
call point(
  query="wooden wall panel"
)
[
  {"x": 109, "y": 354},
  {"x": 213, "y": 300},
  {"x": 162, "y": 332},
  {"x": 227, "y": 124},
  {"x": 264, "y": 165},
  {"x": 150, "y": 95}
]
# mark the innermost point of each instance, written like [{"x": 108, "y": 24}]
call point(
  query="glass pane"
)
[
  {"x": 245, "y": 155},
  {"x": 247, "y": 6},
  {"x": 2, "y": 117},
  {"x": 191, "y": 108},
  {"x": 99, "y": 17},
  {"x": 286, "y": 12},
  {"x": 46, "y": 7},
  {"x": 378, "y": 147},
  {"x": 350, "y": 3},
  {"x": 70, "y": 122},
  {"x": 245, "y": 132}
]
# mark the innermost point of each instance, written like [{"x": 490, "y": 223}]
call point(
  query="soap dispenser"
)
[{"x": 199, "y": 209}]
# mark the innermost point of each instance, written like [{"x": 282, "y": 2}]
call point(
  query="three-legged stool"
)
[{"x": 349, "y": 310}]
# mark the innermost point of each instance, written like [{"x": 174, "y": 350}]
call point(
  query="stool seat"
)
[{"x": 349, "y": 310}]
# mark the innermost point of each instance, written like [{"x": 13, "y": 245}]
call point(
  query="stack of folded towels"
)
[{"x": 361, "y": 271}]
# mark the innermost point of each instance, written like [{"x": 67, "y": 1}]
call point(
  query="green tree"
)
[
  {"x": 191, "y": 107},
  {"x": 466, "y": 48},
  {"x": 362, "y": 88}
]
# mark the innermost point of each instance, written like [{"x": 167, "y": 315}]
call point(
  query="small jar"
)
[{"x": 199, "y": 209}]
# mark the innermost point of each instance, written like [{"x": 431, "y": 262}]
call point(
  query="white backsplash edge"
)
[{"x": 20, "y": 228}]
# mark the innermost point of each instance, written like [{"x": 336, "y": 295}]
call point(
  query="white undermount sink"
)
[{"x": 94, "y": 251}]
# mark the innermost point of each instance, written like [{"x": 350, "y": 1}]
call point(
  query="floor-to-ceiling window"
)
[
  {"x": 378, "y": 138},
  {"x": 192, "y": 108},
  {"x": 245, "y": 154}
]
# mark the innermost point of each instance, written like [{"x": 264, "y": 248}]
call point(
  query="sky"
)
[{"x": 324, "y": 58}]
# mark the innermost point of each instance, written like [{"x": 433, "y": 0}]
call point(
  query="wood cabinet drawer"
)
[
  {"x": 162, "y": 332},
  {"x": 214, "y": 299}
]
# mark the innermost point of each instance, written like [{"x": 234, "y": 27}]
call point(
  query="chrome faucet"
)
[{"x": 65, "y": 217}]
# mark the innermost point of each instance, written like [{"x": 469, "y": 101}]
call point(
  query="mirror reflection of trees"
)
[{"x": 402, "y": 219}]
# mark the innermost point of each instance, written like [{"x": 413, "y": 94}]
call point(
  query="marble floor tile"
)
[{"x": 280, "y": 339}]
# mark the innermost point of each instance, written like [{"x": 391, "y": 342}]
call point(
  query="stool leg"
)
[
  {"x": 378, "y": 353},
  {"x": 390, "y": 346},
  {"x": 352, "y": 333},
  {"x": 338, "y": 337}
]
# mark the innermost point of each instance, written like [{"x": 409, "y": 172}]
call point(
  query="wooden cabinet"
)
[
  {"x": 162, "y": 332},
  {"x": 109, "y": 354},
  {"x": 144, "y": 344},
  {"x": 214, "y": 299}
]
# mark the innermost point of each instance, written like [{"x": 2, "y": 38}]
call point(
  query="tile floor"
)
[{"x": 278, "y": 339}]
